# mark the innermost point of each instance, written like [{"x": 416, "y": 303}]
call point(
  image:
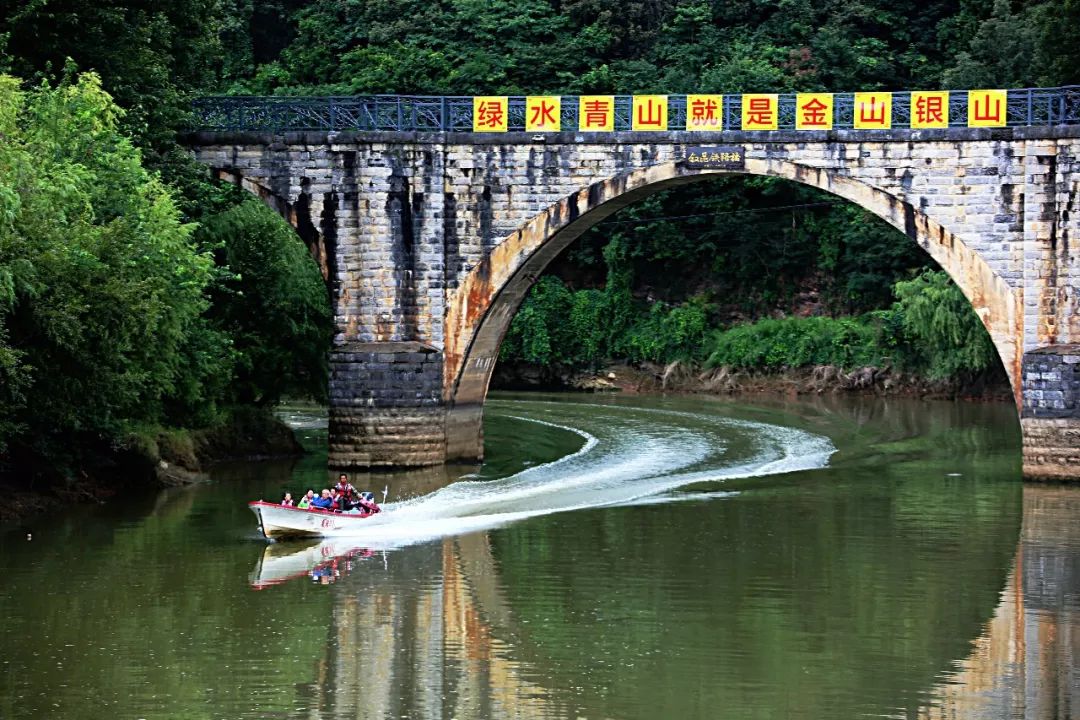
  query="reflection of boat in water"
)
[
  {"x": 279, "y": 521},
  {"x": 323, "y": 562}
]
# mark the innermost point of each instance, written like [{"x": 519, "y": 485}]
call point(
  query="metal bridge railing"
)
[{"x": 1030, "y": 107}]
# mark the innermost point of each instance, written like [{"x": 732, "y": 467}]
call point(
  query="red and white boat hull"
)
[{"x": 279, "y": 521}]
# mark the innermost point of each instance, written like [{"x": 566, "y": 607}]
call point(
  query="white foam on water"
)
[
  {"x": 626, "y": 459},
  {"x": 675, "y": 497},
  {"x": 303, "y": 420}
]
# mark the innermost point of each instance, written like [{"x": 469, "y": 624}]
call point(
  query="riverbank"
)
[
  {"x": 147, "y": 459},
  {"x": 680, "y": 377}
]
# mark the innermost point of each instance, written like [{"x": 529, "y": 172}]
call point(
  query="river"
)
[{"x": 613, "y": 558}]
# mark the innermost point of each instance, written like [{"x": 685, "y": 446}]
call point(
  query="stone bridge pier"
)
[{"x": 430, "y": 241}]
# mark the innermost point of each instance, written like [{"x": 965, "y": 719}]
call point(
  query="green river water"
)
[{"x": 614, "y": 558}]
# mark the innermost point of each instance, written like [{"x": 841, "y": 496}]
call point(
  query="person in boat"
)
[
  {"x": 286, "y": 499},
  {"x": 366, "y": 502},
  {"x": 305, "y": 500},
  {"x": 347, "y": 492},
  {"x": 323, "y": 502},
  {"x": 345, "y": 487}
]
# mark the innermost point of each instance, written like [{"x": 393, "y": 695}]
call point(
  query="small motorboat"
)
[{"x": 281, "y": 521}]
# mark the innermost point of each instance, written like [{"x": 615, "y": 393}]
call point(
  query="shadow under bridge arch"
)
[{"x": 480, "y": 310}]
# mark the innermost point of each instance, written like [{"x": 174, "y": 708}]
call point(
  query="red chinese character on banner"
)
[
  {"x": 649, "y": 114},
  {"x": 872, "y": 112},
  {"x": 989, "y": 110},
  {"x": 929, "y": 109},
  {"x": 703, "y": 112},
  {"x": 598, "y": 114},
  {"x": 543, "y": 113},
  {"x": 490, "y": 114},
  {"x": 813, "y": 113},
  {"x": 761, "y": 112}
]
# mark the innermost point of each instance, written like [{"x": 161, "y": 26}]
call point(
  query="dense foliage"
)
[
  {"x": 930, "y": 329},
  {"x": 673, "y": 46},
  {"x": 151, "y": 58},
  {"x": 101, "y": 286},
  {"x": 938, "y": 321},
  {"x": 272, "y": 303},
  {"x": 798, "y": 342},
  {"x": 114, "y": 316}
]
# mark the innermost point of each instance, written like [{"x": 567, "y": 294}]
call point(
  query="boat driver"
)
[
  {"x": 345, "y": 487},
  {"x": 346, "y": 493}
]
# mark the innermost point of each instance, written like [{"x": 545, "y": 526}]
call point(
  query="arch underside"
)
[{"x": 480, "y": 311}]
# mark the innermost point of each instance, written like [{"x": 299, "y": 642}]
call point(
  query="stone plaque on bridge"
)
[{"x": 716, "y": 157}]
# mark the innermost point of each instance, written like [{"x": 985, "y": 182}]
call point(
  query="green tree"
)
[
  {"x": 1000, "y": 53},
  {"x": 944, "y": 336},
  {"x": 272, "y": 302},
  {"x": 101, "y": 286},
  {"x": 1057, "y": 44}
]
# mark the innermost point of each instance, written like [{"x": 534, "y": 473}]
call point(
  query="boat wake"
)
[{"x": 629, "y": 456}]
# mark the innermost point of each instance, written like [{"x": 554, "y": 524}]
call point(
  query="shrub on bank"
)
[
  {"x": 797, "y": 342},
  {"x": 930, "y": 330},
  {"x": 666, "y": 333},
  {"x": 271, "y": 301},
  {"x": 942, "y": 335}
]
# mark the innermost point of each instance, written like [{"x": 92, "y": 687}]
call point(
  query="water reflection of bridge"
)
[
  {"x": 1025, "y": 663},
  {"x": 434, "y": 637},
  {"x": 442, "y": 654}
]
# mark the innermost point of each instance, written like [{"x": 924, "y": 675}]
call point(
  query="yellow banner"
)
[
  {"x": 813, "y": 111},
  {"x": 704, "y": 112},
  {"x": 596, "y": 113},
  {"x": 987, "y": 108},
  {"x": 490, "y": 114},
  {"x": 930, "y": 109},
  {"x": 760, "y": 112},
  {"x": 542, "y": 113},
  {"x": 873, "y": 110},
  {"x": 650, "y": 112}
]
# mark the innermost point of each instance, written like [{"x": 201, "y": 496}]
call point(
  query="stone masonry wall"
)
[
  {"x": 386, "y": 406},
  {"x": 1052, "y": 382},
  {"x": 1051, "y": 413}
]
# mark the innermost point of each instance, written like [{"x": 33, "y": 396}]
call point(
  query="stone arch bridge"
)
[{"x": 429, "y": 241}]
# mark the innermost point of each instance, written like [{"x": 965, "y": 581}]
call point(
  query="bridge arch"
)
[{"x": 479, "y": 312}]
